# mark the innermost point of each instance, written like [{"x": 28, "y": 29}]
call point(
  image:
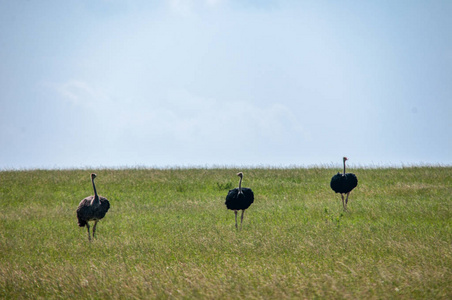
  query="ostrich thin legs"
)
[
  {"x": 346, "y": 200},
  {"x": 241, "y": 219},
  {"x": 343, "y": 203},
  {"x": 94, "y": 228},
  {"x": 87, "y": 227}
]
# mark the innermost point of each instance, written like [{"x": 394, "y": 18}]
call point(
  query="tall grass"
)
[{"x": 168, "y": 234}]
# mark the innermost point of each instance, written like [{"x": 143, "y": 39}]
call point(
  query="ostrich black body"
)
[
  {"x": 236, "y": 201},
  {"x": 343, "y": 183},
  {"x": 87, "y": 212}
]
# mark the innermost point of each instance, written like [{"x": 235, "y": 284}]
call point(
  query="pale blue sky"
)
[{"x": 224, "y": 82}]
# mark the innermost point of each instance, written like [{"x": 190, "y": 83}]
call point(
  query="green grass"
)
[{"x": 168, "y": 234}]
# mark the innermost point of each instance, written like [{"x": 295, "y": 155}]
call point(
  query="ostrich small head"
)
[
  {"x": 93, "y": 175},
  {"x": 240, "y": 174},
  {"x": 345, "y": 158}
]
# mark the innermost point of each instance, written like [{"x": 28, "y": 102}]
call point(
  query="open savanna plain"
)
[{"x": 168, "y": 234}]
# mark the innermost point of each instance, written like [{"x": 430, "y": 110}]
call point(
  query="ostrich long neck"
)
[
  {"x": 96, "y": 197},
  {"x": 240, "y": 185},
  {"x": 344, "y": 166}
]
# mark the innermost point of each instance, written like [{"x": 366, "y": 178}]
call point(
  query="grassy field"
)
[{"x": 168, "y": 234}]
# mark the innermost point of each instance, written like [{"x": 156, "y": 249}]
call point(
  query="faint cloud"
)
[
  {"x": 188, "y": 117},
  {"x": 181, "y": 6},
  {"x": 81, "y": 93},
  {"x": 213, "y": 2},
  {"x": 186, "y": 7}
]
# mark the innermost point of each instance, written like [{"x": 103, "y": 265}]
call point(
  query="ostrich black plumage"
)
[
  {"x": 92, "y": 208},
  {"x": 344, "y": 183},
  {"x": 239, "y": 199}
]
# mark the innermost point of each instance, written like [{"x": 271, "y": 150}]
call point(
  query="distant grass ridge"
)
[{"x": 168, "y": 234}]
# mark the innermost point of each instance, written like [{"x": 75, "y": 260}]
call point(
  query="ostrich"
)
[
  {"x": 344, "y": 183},
  {"x": 92, "y": 208},
  {"x": 239, "y": 199}
]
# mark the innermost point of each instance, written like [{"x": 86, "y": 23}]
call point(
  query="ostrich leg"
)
[
  {"x": 346, "y": 200},
  {"x": 241, "y": 219},
  {"x": 235, "y": 219},
  {"x": 343, "y": 203},
  {"x": 87, "y": 227},
  {"x": 94, "y": 227}
]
